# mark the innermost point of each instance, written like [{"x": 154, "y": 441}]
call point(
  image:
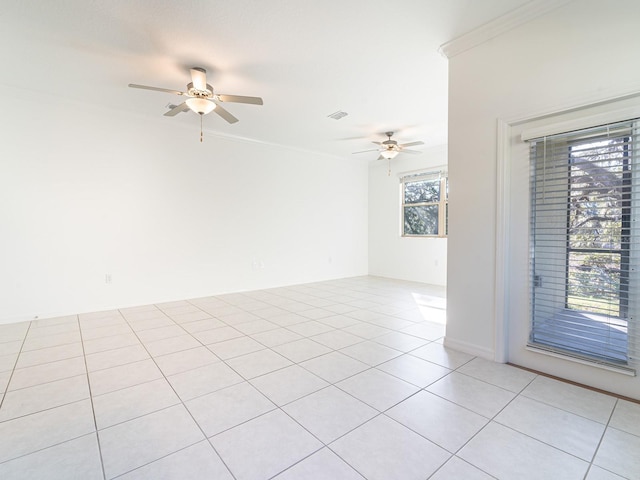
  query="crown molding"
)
[{"x": 498, "y": 26}]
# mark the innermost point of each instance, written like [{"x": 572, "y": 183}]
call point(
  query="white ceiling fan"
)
[
  {"x": 390, "y": 148},
  {"x": 201, "y": 98}
]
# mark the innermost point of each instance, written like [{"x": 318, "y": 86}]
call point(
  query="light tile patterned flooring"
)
[{"x": 343, "y": 379}]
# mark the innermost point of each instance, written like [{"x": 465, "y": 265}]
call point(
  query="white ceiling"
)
[{"x": 376, "y": 60}]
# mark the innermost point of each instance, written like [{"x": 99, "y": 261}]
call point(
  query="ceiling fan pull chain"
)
[
  {"x": 389, "y": 171},
  {"x": 201, "y": 127}
]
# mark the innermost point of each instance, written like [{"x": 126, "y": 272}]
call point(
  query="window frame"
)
[
  {"x": 442, "y": 203},
  {"x": 546, "y": 328}
]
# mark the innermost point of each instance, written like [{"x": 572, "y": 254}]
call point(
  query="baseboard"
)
[{"x": 470, "y": 348}]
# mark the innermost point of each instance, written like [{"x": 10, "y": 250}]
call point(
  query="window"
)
[
  {"x": 424, "y": 204},
  {"x": 584, "y": 212}
]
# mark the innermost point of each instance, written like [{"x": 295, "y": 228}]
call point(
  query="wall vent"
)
[{"x": 338, "y": 115}]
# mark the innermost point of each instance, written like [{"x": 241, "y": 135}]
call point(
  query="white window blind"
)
[{"x": 585, "y": 243}]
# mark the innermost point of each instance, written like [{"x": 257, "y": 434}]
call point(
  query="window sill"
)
[
  {"x": 423, "y": 236},
  {"x": 583, "y": 361}
]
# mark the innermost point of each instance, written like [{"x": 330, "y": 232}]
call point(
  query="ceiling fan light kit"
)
[
  {"x": 389, "y": 154},
  {"x": 200, "y": 105},
  {"x": 201, "y": 98},
  {"x": 390, "y": 148}
]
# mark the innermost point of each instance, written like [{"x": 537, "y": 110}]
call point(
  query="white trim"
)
[
  {"x": 469, "y": 348},
  {"x": 240, "y": 139},
  {"x": 207, "y": 131},
  {"x": 575, "y": 105},
  {"x": 503, "y": 201},
  {"x": 498, "y": 26},
  {"x": 433, "y": 169},
  {"x": 583, "y": 122},
  {"x": 611, "y": 368},
  {"x": 504, "y": 149}
]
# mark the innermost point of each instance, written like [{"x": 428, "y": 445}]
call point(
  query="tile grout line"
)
[
  {"x": 47, "y": 382},
  {"x": 490, "y": 419},
  {"x": 369, "y": 367},
  {"x": 93, "y": 411},
  {"x": 537, "y": 440},
  {"x": 48, "y": 409},
  {"x": 325, "y": 445},
  {"x": 493, "y": 419},
  {"x": 181, "y": 402},
  {"x": 328, "y": 445},
  {"x": 15, "y": 364},
  {"x": 312, "y": 454},
  {"x": 51, "y": 346},
  {"x": 575, "y": 384},
  {"x": 604, "y": 432},
  {"x": 120, "y": 475},
  {"x": 384, "y": 413},
  {"x": 53, "y": 407},
  {"x": 287, "y": 414},
  {"x": 330, "y": 384},
  {"x": 462, "y": 460},
  {"x": 49, "y": 446},
  {"x": 277, "y": 407},
  {"x": 379, "y": 414},
  {"x": 562, "y": 408}
]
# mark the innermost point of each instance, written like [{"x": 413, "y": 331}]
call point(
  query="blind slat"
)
[{"x": 585, "y": 238}]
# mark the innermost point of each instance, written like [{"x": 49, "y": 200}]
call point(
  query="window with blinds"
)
[
  {"x": 585, "y": 192},
  {"x": 425, "y": 204}
]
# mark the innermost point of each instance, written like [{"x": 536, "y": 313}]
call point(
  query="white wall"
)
[
  {"x": 578, "y": 54},
  {"x": 390, "y": 255},
  {"x": 86, "y": 191}
]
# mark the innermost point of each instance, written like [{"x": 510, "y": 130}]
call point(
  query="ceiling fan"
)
[
  {"x": 201, "y": 98},
  {"x": 390, "y": 148}
]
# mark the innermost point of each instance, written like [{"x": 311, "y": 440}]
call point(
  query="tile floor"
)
[{"x": 343, "y": 379}]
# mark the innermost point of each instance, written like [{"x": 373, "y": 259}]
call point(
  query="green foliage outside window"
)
[
  {"x": 597, "y": 205},
  {"x": 424, "y": 206}
]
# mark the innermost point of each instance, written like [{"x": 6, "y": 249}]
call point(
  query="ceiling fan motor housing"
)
[
  {"x": 390, "y": 144},
  {"x": 194, "y": 92}
]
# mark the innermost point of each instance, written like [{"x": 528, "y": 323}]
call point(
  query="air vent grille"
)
[{"x": 338, "y": 115}]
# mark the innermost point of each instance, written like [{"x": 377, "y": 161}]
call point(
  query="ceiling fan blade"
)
[
  {"x": 414, "y": 152},
  {"x": 183, "y": 107},
  {"x": 157, "y": 89},
  {"x": 380, "y": 158},
  {"x": 239, "y": 99},
  {"x": 377, "y": 143},
  {"x": 411, "y": 144},
  {"x": 365, "y": 151},
  {"x": 225, "y": 114},
  {"x": 199, "y": 78}
]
